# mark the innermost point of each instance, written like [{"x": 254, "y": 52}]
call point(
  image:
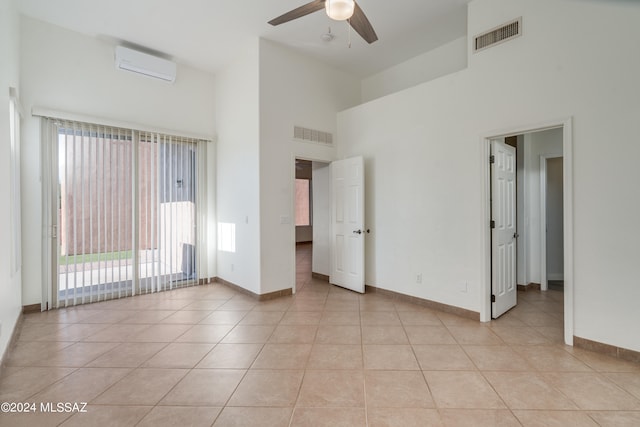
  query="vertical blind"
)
[
  {"x": 123, "y": 211},
  {"x": 14, "y": 181}
]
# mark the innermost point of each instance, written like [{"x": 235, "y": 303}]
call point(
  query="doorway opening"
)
[
  {"x": 551, "y": 226},
  {"x": 538, "y": 231},
  {"x": 312, "y": 226}
]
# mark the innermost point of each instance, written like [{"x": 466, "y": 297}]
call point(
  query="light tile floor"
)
[{"x": 208, "y": 355}]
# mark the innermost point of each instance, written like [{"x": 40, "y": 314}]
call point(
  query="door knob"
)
[
  {"x": 357, "y": 232},
  {"x": 516, "y": 235}
]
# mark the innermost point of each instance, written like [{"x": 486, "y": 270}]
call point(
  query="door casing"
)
[{"x": 485, "y": 217}]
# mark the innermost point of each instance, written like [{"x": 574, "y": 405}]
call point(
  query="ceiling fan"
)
[{"x": 339, "y": 10}]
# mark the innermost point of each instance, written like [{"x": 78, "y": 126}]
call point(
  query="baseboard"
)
[
  {"x": 31, "y": 308},
  {"x": 462, "y": 312},
  {"x": 529, "y": 287},
  {"x": 259, "y": 297},
  {"x": 607, "y": 349},
  {"x": 320, "y": 276},
  {"x": 12, "y": 341}
]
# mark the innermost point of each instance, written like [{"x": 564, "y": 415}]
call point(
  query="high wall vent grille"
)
[
  {"x": 498, "y": 35},
  {"x": 311, "y": 135}
]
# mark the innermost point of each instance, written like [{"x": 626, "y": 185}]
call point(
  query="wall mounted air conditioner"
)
[{"x": 145, "y": 64}]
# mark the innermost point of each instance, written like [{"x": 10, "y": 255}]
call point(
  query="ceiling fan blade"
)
[
  {"x": 361, "y": 24},
  {"x": 299, "y": 12}
]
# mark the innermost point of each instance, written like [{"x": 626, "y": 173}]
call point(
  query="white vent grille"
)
[
  {"x": 498, "y": 35},
  {"x": 311, "y": 135}
]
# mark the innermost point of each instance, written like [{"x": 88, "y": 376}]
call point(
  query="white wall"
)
[
  {"x": 294, "y": 91},
  {"x": 238, "y": 167},
  {"x": 445, "y": 59},
  {"x": 67, "y": 71},
  {"x": 321, "y": 219},
  {"x": 10, "y": 281},
  {"x": 536, "y": 144},
  {"x": 422, "y": 150}
]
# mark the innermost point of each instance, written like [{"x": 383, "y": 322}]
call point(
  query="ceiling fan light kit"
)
[{"x": 340, "y": 10}]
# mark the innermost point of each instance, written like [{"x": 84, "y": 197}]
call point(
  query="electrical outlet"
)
[
  {"x": 464, "y": 287},
  {"x": 232, "y": 267},
  {"x": 419, "y": 278}
]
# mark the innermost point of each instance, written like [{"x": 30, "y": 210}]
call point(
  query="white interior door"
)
[
  {"x": 503, "y": 236},
  {"x": 347, "y": 223}
]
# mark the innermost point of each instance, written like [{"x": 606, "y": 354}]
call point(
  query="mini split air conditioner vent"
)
[
  {"x": 311, "y": 135},
  {"x": 498, "y": 35},
  {"x": 145, "y": 64}
]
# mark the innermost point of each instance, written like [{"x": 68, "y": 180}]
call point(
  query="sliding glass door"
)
[
  {"x": 126, "y": 220},
  {"x": 167, "y": 212}
]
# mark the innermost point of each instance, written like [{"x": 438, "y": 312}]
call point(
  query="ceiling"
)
[{"x": 207, "y": 34}]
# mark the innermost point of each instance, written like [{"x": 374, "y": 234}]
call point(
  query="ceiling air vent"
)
[
  {"x": 498, "y": 35},
  {"x": 311, "y": 135}
]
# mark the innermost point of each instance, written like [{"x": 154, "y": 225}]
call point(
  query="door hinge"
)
[
  {"x": 492, "y": 159},
  {"x": 493, "y": 298},
  {"x": 492, "y": 224},
  {"x": 54, "y": 231}
]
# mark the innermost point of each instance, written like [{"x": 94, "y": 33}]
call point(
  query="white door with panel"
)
[
  {"x": 503, "y": 235},
  {"x": 347, "y": 223}
]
